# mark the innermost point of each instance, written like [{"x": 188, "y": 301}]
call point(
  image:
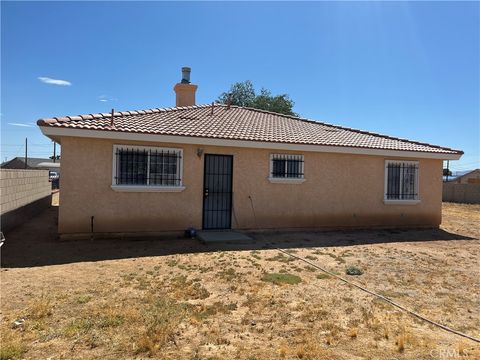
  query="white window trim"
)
[
  {"x": 145, "y": 188},
  {"x": 401, "y": 202},
  {"x": 417, "y": 183},
  {"x": 286, "y": 180}
]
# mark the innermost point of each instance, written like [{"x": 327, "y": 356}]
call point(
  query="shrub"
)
[{"x": 353, "y": 270}]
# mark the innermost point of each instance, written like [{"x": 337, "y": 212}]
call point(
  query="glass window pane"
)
[
  {"x": 163, "y": 168},
  {"x": 402, "y": 181},
  {"x": 293, "y": 169},
  {"x": 132, "y": 167},
  {"x": 278, "y": 168}
]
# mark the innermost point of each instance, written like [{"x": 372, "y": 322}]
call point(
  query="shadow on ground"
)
[{"x": 35, "y": 243}]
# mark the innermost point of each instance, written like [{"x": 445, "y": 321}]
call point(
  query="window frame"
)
[
  {"x": 146, "y": 187},
  {"x": 286, "y": 180},
  {"x": 416, "y": 184}
]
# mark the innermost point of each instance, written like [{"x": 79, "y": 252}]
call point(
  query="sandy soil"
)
[{"x": 178, "y": 299}]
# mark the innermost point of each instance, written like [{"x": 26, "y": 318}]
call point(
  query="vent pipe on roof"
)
[
  {"x": 185, "y": 92},
  {"x": 186, "y": 75}
]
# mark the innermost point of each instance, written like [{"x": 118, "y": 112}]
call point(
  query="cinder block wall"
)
[
  {"x": 22, "y": 187},
  {"x": 461, "y": 193}
]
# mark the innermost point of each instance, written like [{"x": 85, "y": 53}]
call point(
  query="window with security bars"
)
[
  {"x": 401, "y": 180},
  {"x": 286, "y": 166},
  {"x": 147, "y": 166}
]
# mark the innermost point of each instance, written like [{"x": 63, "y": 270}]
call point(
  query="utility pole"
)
[
  {"x": 54, "y": 151},
  {"x": 448, "y": 168},
  {"x": 26, "y": 152}
]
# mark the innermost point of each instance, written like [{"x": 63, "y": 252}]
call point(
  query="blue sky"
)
[{"x": 403, "y": 69}]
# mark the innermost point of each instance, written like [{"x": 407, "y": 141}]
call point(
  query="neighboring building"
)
[
  {"x": 227, "y": 167},
  {"x": 471, "y": 177},
  {"x": 32, "y": 164},
  {"x": 463, "y": 189}
]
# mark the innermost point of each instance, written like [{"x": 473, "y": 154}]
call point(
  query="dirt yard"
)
[{"x": 178, "y": 299}]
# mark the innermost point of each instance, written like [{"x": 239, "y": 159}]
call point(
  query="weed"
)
[
  {"x": 187, "y": 289},
  {"x": 255, "y": 253},
  {"x": 311, "y": 257},
  {"x": 329, "y": 340},
  {"x": 161, "y": 320},
  {"x": 323, "y": 276},
  {"x": 312, "y": 314},
  {"x": 228, "y": 274},
  {"x": 12, "y": 351},
  {"x": 102, "y": 318},
  {"x": 129, "y": 277},
  {"x": 385, "y": 333},
  {"x": 78, "y": 327},
  {"x": 215, "y": 308},
  {"x": 83, "y": 299},
  {"x": 172, "y": 262},
  {"x": 391, "y": 293},
  {"x": 337, "y": 258},
  {"x": 349, "y": 310},
  {"x": 40, "y": 308},
  {"x": 279, "y": 279},
  {"x": 400, "y": 342},
  {"x": 281, "y": 258},
  {"x": 143, "y": 284}
]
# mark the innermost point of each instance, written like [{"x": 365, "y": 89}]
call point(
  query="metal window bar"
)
[
  {"x": 287, "y": 166},
  {"x": 402, "y": 181},
  {"x": 148, "y": 167}
]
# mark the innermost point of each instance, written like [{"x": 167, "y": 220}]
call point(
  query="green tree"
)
[
  {"x": 240, "y": 94},
  {"x": 243, "y": 94}
]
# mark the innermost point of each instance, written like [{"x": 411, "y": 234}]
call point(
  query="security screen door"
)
[{"x": 217, "y": 192}]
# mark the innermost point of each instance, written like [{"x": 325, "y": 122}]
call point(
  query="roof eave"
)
[{"x": 56, "y": 133}]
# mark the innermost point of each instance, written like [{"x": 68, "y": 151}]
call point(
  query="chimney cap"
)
[{"x": 186, "y": 75}]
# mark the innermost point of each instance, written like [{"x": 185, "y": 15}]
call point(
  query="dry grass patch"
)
[
  {"x": 161, "y": 319},
  {"x": 279, "y": 279},
  {"x": 220, "y": 305}
]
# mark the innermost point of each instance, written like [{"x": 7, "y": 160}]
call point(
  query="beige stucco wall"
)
[
  {"x": 21, "y": 187},
  {"x": 340, "y": 190}
]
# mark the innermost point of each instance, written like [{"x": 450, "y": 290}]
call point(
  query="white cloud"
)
[
  {"x": 106, "y": 98},
  {"x": 51, "y": 81},
  {"x": 20, "y": 124}
]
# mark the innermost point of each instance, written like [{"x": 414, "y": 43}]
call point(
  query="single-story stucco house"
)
[
  {"x": 471, "y": 177},
  {"x": 228, "y": 167}
]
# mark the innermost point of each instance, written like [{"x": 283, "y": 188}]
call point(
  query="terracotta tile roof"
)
[{"x": 238, "y": 123}]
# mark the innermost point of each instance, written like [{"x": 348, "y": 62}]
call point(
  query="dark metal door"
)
[{"x": 217, "y": 192}]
